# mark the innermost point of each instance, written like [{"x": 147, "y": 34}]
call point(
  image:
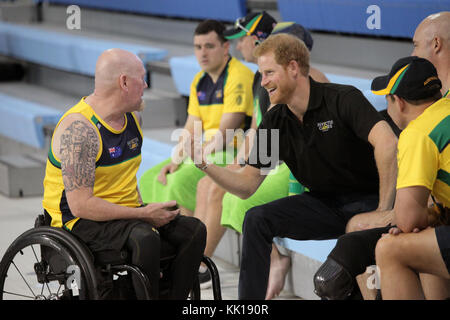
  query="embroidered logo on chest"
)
[
  {"x": 325, "y": 126},
  {"x": 201, "y": 95},
  {"x": 133, "y": 143},
  {"x": 115, "y": 152}
]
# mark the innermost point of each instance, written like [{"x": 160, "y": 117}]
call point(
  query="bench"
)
[
  {"x": 25, "y": 121},
  {"x": 192, "y": 9},
  {"x": 397, "y": 18},
  {"x": 64, "y": 51},
  {"x": 184, "y": 68}
]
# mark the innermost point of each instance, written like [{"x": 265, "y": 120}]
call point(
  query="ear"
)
[
  {"x": 293, "y": 68},
  {"x": 400, "y": 102},
  {"x": 123, "y": 82},
  {"x": 437, "y": 44},
  {"x": 226, "y": 46}
]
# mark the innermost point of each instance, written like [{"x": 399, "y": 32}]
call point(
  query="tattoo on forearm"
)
[{"x": 78, "y": 150}]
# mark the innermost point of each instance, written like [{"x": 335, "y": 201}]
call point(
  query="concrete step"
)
[
  {"x": 164, "y": 108},
  {"x": 21, "y": 175}
]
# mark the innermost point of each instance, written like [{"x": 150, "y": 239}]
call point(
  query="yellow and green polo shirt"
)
[
  {"x": 231, "y": 93},
  {"x": 424, "y": 152},
  {"x": 117, "y": 163}
]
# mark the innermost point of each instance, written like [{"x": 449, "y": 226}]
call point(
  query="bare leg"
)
[
  {"x": 434, "y": 287},
  {"x": 362, "y": 280},
  {"x": 215, "y": 230},
  {"x": 209, "y": 211},
  {"x": 202, "y": 195},
  {"x": 279, "y": 267},
  {"x": 186, "y": 212},
  {"x": 402, "y": 257}
]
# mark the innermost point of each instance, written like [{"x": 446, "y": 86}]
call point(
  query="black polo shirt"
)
[{"x": 328, "y": 152}]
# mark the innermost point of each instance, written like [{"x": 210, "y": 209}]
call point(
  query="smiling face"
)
[
  {"x": 211, "y": 54},
  {"x": 276, "y": 79}
]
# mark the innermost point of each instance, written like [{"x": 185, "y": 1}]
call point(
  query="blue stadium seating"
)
[
  {"x": 24, "y": 121},
  {"x": 153, "y": 152},
  {"x": 64, "y": 51},
  {"x": 314, "y": 249},
  {"x": 184, "y": 68},
  {"x": 194, "y": 9},
  {"x": 398, "y": 18}
]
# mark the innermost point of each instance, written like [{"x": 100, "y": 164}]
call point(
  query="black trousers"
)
[
  {"x": 309, "y": 216},
  {"x": 184, "y": 236},
  {"x": 355, "y": 251}
]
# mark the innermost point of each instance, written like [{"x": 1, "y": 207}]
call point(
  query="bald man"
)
[
  {"x": 90, "y": 185},
  {"x": 432, "y": 42}
]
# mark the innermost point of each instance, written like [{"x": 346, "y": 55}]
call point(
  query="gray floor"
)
[{"x": 18, "y": 214}]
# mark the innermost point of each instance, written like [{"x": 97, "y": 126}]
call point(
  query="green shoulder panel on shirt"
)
[
  {"x": 444, "y": 176},
  {"x": 441, "y": 134}
]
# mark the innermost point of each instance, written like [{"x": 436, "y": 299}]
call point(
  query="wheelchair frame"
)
[{"x": 74, "y": 252}]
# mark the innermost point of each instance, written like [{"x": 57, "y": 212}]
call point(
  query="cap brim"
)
[
  {"x": 384, "y": 85},
  {"x": 234, "y": 34},
  {"x": 380, "y": 86}
]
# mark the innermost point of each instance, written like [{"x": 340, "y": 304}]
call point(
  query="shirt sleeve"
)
[
  {"x": 358, "y": 113},
  {"x": 418, "y": 160},
  {"x": 238, "y": 95},
  {"x": 193, "y": 107},
  {"x": 262, "y": 155}
]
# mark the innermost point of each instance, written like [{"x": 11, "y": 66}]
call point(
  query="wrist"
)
[{"x": 203, "y": 165}]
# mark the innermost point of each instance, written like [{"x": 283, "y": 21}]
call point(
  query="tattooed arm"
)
[{"x": 76, "y": 143}]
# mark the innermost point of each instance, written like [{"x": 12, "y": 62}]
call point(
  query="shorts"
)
[
  {"x": 274, "y": 186},
  {"x": 102, "y": 236},
  {"x": 443, "y": 239}
]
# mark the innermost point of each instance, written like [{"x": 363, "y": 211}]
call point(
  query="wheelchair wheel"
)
[{"x": 47, "y": 263}]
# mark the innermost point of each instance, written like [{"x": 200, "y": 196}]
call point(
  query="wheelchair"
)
[{"x": 47, "y": 263}]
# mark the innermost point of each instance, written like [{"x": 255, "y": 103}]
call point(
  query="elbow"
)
[
  {"x": 76, "y": 211},
  {"x": 77, "y": 207},
  {"x": 247, "y": 193},
  {"x": 411, "y": 225}
]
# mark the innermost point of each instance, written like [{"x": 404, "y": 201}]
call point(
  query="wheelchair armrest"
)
[{"x": 40, "y": 221}]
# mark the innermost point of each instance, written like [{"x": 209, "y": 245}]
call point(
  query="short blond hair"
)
[{"x": 285, "y": 48}]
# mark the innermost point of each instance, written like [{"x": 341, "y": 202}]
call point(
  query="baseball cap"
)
[
  {"x": 411, "y": 78},
  {"x": 296, "y": 30},
  {"x": 257, "y": 23}
]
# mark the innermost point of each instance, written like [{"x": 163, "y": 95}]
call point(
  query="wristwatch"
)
[{"x": 202, "y": 166}]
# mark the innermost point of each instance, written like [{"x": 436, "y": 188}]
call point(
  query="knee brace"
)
[{"x": 333, "y": 282}]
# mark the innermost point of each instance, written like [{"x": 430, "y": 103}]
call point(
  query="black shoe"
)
[{"x": 204, "y": 279}]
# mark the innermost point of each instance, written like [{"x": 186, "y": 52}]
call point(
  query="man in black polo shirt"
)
[{"x": 332, "y": 140}]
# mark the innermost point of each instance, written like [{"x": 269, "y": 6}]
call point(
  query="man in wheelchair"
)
[{"x": 90, "y": 185}]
